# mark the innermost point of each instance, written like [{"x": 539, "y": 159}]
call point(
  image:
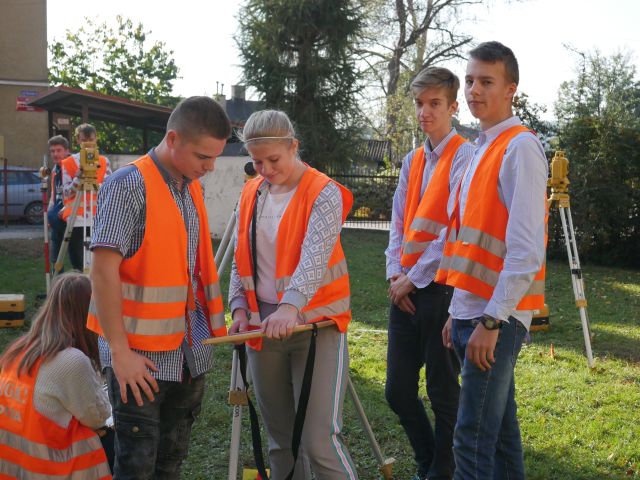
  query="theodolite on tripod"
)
[
  {"x": 85, "y": 194},
  {"x": 559, "y": 184}
]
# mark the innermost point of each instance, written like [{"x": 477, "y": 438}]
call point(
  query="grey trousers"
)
[{"x": 277, "y": 372}]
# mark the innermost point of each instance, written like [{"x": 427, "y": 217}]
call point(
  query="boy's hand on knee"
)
[
  {"x": 133, "y": 370},
  {"x": 481, "y": 346}
]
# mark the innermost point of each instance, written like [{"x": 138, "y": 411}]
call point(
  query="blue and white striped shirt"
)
[{"x": 120, "y": 225}]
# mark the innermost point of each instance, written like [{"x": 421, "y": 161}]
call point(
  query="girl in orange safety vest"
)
[
  {"x": 289, "y": 268},
  {"x": 51, "y": 398}
]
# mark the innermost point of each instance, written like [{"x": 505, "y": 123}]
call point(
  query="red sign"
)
[{"x": 21, "y": 105}]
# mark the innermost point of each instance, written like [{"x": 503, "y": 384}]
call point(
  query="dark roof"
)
[
  {"x": 70, "y": 101},
  {"x": 239, "y": 110},
  {"x": 234, "y": 149}
]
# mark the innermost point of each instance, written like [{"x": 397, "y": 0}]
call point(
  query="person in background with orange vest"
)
[
  {"x": 71, "y": 172},
  {"x": 51, "y": 396},
  {"x": 156, "y": 294},
  {"x": 289, "y": 222},
  {"x": 494, "y": 257},
  {"x": 419, "y": 305},
  {"x": 58, "y": 151}
]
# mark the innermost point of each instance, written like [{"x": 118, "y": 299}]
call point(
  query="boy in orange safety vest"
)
[
  {"x": 419, "y": 305},
  {"x": 156, "y": 294},
  {"x": 494, "y": 257},
  {"x": 71, "y": 172}
]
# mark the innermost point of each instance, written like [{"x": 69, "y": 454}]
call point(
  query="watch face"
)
[{"x": 490, "y": 323}]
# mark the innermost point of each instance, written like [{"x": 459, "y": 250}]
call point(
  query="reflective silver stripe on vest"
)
[
  {"x": 212, "y": 291},
  {"x": 146, "y": 326},
  {"x": 217, "y": 320},
  {"x": 426, "y": 225},
  {"x": 452, "y": 235},
  {"x": 142, "y": 294},
  {"x": 247, "y": 283},
  {"x": 160, "y": 326},
  {"x": 91, "y": 473},
  {"x": 483, "y": 240},
  {"x": 332, "y": 274},
  {"x": 43, "y": 452},
  {"x": 335, "y": 308},
  {"x": 536, "y": 288},
  {"x": 415, "y": 247},
  {"x": 471, "y": 268}
]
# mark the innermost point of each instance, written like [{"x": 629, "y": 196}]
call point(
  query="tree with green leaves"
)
[
  {"x": 402, "y": 37},
  {"x": 117, "y": 61},
  {"x": 599, "y": 129},
  {"x": 298, "y": 55}
]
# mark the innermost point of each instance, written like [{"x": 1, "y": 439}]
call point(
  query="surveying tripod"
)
[
  {"x": 84, "y": 190},
  {"x": 559, "y": 184},
  {"x": 237, "y": 389}
]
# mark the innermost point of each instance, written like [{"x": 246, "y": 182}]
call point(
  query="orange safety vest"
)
[
  {"x": 156, "y": 284},
  {"x": 474, "y": 253},
  {"x": 71, "y": 167},
  {"x": 423, "y": 224},
  {"x": 332, "y": 299},
  {"x": 34, "y": 447}
]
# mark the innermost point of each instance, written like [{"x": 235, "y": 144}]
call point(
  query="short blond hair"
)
[{"x": 436, "y": 77}]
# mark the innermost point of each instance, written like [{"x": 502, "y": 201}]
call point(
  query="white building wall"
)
[{"x": 221, "y": 187}]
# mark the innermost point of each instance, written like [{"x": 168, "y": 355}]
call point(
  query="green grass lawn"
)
[{"x": 576, "y": 423}]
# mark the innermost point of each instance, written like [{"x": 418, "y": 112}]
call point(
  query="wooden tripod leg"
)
[{"x": 384, "y": 464}]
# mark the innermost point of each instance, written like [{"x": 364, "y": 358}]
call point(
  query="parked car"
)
[{"x": 24, "y": 198}]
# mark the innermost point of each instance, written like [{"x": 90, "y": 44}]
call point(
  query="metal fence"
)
[{"x": 372, "y": 188}]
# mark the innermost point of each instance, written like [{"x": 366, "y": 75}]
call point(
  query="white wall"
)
[{"x": 221, "y": 187}]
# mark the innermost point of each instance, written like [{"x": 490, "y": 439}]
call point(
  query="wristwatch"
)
[{"x": 490, "y": 323}]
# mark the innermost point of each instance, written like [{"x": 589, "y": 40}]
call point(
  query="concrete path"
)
[{"x": 17, "y": 231}]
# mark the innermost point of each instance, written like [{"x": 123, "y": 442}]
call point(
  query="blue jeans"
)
[
  {"x": 57, "y": 230},
  {"x": 486, "y": 441},
  {"x": 152, "y": 440}
]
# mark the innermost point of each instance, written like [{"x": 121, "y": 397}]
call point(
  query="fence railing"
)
[{"x": 372, "y": 188}]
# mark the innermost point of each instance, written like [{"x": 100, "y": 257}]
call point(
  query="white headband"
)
[{"x": 288, "y": 137}]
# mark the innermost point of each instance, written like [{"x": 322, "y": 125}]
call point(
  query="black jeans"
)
[
  {"x": 414, "y": 341},
  {"x": 152, "y": 440},
  {"x": 76, "y": 247}
]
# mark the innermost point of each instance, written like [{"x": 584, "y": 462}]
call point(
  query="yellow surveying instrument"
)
[
  {"x": 84, "y": 194},
  {"x": 559, "y": 198}
]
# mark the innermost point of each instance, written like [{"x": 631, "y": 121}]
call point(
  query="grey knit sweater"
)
[{"x": 68, "y": 386}]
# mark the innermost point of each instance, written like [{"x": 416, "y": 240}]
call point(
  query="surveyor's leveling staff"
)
[
  {"x": 244, "y": 336},
  {"x": 45, "y": 173}
]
